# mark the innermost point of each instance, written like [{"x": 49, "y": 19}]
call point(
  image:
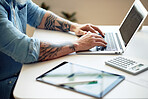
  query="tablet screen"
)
[{"x": 81, "y": 79}]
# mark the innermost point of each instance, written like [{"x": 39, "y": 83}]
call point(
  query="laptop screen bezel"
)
[{"x": 137, "y": 4}]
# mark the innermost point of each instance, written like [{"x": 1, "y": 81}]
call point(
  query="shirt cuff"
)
[{"x": 34, "y": 50}]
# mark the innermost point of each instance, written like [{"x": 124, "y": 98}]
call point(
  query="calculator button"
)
[
  {"x": 135, "y": 68},
  {"x": 140, "y": 65}
]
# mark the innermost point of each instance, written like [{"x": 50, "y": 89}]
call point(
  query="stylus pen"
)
[{"x": 80, "y": 82}]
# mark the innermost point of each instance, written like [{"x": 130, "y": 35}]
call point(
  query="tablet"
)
[{"x": 81, "y": 79}]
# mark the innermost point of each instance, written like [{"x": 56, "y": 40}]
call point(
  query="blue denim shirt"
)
[{"x": 16, "y": 47}]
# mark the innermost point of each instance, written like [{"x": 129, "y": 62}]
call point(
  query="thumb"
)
[{"x": 81, "y": 33}]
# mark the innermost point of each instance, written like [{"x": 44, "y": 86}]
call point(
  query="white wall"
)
[
  {"x": 99, "y": 12},
  {"x": 104, "y": 12}
]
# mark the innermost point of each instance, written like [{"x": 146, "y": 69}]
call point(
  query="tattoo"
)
[
  {"x": 54, "y": 23},
  {"x": 50, "y": 22},
  {"x": 51, "y": 50},
  {"x": 47, "y": 51},
  {"x": 72, "y": 47}
]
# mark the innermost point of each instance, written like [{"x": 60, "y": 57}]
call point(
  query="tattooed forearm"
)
[
  {"x": 50, "y": 22},
  {"x": 54, "y": 23},
  {"x": 51, "y": 51},
  {"x": 48, "y": 51},
  {"x": 72, "y": 47}
]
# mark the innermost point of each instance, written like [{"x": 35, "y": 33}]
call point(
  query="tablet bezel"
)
[{"x": 102, "y": 94}]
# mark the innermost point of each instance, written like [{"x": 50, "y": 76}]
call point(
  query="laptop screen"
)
[{"x": 131, "y": 23}]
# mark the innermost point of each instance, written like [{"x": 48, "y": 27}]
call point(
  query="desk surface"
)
[{"x": 131, "y": 87}]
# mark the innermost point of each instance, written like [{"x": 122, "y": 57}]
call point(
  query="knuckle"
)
[
  {"x": 91, "y": 35},
  {"x": 87, "y": 25}
]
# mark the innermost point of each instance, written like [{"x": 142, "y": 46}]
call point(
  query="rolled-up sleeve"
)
[
  {"x": 34, "y": 14},
  {"x": 14, "y": 43}
]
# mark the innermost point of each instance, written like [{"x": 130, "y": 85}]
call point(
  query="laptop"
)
[{"x": 118, "y": 42}]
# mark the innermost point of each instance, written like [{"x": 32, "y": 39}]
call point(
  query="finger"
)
[
  {"x": 97, "y": 29},
  {"x": 100, "y": 40},
  {"x": 100, "y": 44},
  {"x": 88, "y": 28},
  {"x": 91, "y": 29},
  {"x": 81, "y": 33},
  {"x": 97, "y": 36}
]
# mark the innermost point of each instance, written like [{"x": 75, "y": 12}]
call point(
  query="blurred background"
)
[{"x": 98, "y": 12}]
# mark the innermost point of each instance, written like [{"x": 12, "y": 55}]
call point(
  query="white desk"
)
[{"x": 28, "y": 87}]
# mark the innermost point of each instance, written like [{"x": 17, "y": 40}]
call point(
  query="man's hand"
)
[
  {"x": 51, "y": 21},
  {"x": 88, "y": 41},
  {"x": 83, "y": 29}
]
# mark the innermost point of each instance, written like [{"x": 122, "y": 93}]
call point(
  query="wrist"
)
[
  {"x": 73, "y": 27},
  {"x": 76, "y": 46}
]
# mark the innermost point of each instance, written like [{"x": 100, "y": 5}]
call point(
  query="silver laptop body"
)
[{"x": 128, "y": 28}]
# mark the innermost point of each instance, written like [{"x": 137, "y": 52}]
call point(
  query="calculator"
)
[{"x": 127, "y": 65}]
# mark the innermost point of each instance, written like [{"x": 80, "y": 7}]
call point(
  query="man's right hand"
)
[{"x": 89, "y": 41}]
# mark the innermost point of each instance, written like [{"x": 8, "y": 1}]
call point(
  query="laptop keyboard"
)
[{"x": 111, "y": 45}]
